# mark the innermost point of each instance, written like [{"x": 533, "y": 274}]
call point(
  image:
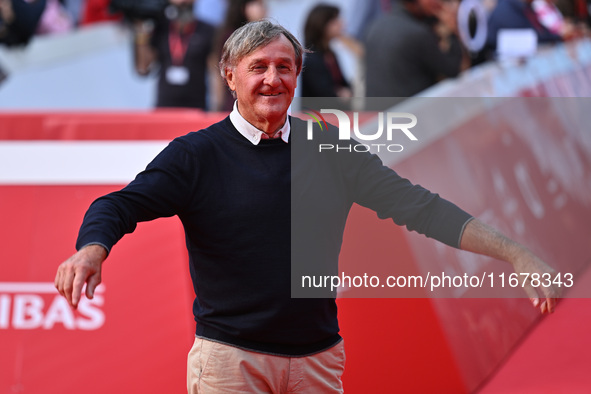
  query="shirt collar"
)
[{"x": 250, "y": 132}]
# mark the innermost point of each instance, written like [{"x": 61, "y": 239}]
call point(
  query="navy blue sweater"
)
[{"x": 250, "y": 210}]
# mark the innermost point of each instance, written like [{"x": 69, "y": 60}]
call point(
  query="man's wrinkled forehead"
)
[{"x": 262, "y": 45}]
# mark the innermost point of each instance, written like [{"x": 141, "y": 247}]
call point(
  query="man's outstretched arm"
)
[
  {"x": 83, "y": 267},
  {"x": 483, "y": 239}
]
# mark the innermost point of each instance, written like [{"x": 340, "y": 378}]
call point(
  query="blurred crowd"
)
[{"x": 399, "y": 47}]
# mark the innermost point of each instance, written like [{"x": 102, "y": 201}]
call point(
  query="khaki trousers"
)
[{"x": 214, "y": 367}]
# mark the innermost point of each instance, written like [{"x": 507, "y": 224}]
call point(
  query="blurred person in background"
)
[
  {"x": 55, "y": 19},
  {"x": 363, "y": 14},
  {"x": 238, "y": 13},
  {"x": 19, "y": 20},
  {"x": 576, "y": 11},
  {"x": 413, "y": 47},
  {"x": 360, "y": 16},
  {"x": 75, "y": 8},
  {"x": 565, "y": 18},
  {"x": 94, "y": 11},
  {"x": 550, "y": 17},
  {"x": 520, "y": 14},
  {"x": 178, "y": 45},
  {"x": 322, "y": 75}
]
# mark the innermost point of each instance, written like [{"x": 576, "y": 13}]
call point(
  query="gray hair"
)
[{"x": 250, "y": 37}]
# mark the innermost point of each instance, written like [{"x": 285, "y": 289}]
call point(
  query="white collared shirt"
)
[{"x": 250, "y": 132}]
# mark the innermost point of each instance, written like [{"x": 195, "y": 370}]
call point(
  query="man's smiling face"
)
[{"x": 265, "y": 83}]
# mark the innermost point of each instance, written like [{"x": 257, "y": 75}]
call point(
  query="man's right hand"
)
[{"x": 83, "y": 267}]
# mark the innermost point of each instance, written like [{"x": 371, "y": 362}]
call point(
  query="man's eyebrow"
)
[
  {"x": 287, "y": 59},
  {"x": 258, "y": 60},
  {"x": 266, "y": 60}
]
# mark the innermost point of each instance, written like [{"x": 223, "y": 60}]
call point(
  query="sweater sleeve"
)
[
  {"x": 437, "y": 62},
  {"x": 161, "y": 190},
  {"x": 381, "y": 189}
]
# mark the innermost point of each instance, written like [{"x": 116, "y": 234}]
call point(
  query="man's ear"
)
[{"x": 230, "y": 79}]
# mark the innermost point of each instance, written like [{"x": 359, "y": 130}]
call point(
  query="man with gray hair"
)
[{"x": 231, "y": 186}]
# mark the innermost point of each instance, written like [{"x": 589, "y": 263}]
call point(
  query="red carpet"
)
[{"x": 556, "y": 356}]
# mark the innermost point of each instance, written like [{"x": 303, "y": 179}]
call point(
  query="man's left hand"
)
[{"x": 539, "y": 285}]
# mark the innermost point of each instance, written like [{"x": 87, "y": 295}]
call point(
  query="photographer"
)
[{"x": 178, "y": 45}]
